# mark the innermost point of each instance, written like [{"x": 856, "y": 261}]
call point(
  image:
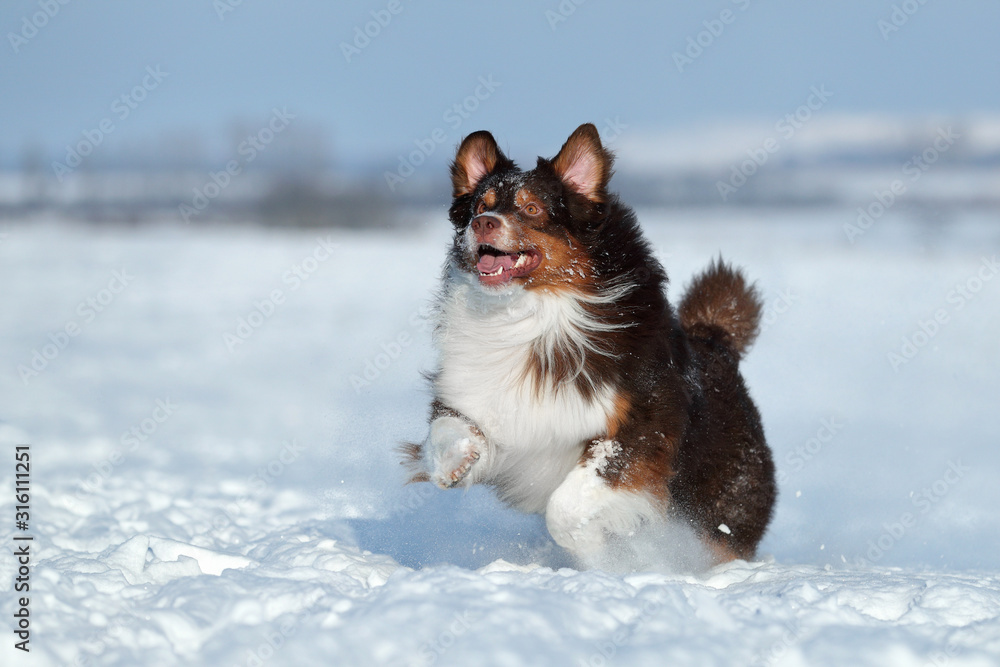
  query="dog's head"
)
[{"x": 529, "y": 228}]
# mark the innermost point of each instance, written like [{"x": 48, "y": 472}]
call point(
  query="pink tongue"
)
[{"x": 490, "y": 263}]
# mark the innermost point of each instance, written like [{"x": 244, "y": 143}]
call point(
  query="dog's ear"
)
[
  {"x": 584, "y": 165},
  {"x": 476, "y": 157}
]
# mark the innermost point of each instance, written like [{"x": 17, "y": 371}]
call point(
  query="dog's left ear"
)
[
  {"x": 476, "y": 157},
  {"x": 584, "y": 165}
]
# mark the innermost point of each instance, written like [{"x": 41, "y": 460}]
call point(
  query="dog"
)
[{"x": 569, "y": 384}]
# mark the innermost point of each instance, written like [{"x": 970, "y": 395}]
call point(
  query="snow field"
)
[{"x": 214, "y": 486}]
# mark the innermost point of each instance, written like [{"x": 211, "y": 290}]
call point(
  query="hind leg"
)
[{"x": 728, "y": 485}]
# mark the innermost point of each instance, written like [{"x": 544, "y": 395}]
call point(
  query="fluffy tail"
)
[{"x": 720, "y": 305}]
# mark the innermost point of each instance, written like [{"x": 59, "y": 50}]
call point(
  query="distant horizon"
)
[
  {"x": 699, "y": 146},
  {"x": 364, "y": 83}
]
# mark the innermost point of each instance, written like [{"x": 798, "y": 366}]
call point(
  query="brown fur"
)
[
  {"x": 478, "y": 155},
  {"x": 562, "y": 264},
  {"x": 720, "y": 303},
  {"x": 412, "y": 455},
  {"x": 490, "y": 199},
  {"x": 585, "y": 145},
  {"x": 620, "y": 417}
]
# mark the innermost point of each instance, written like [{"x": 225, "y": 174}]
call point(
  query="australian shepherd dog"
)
[{"x": 569, "y": 384}]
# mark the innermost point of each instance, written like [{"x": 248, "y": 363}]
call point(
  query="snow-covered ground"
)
[{"x": 212, "y": 486}]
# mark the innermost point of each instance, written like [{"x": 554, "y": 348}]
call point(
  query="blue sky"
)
[{"x": 605, "y": 60}]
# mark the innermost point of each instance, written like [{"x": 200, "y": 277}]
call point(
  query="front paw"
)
[
  {"x": 454, "y": 448},
  {"x": 459, "y": 469}
]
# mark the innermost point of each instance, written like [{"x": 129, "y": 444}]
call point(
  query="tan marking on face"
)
[
  {"x": 564, "y": 265},
  {"x": 521, "y": 198},
  {"x": 490, "y": 198}
]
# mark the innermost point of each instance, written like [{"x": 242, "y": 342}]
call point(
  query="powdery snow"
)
[{"x": 210, "y": 493}]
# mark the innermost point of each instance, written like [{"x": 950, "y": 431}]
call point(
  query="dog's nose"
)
[{"x": 485, "y": 227}]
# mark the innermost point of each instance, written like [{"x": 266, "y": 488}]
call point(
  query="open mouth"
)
[{"x": 497, "y": 267}]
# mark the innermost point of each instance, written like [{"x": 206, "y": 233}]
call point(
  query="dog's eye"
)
[
  {"x": 480, "y": 208},
  {"x": 532, "y": 209}
]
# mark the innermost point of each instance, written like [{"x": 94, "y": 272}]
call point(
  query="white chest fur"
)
[{"x": 535, "y": 434}]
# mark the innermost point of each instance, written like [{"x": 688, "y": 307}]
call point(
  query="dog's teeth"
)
[{"x": 495, "y": 273}]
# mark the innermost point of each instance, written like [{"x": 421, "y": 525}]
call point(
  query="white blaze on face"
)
[
  {"x": 501, "y": 255},
  {"x": 504, "y": 240}
]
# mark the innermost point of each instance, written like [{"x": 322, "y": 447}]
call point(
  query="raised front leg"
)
[{"x": 453, "y": 449}]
